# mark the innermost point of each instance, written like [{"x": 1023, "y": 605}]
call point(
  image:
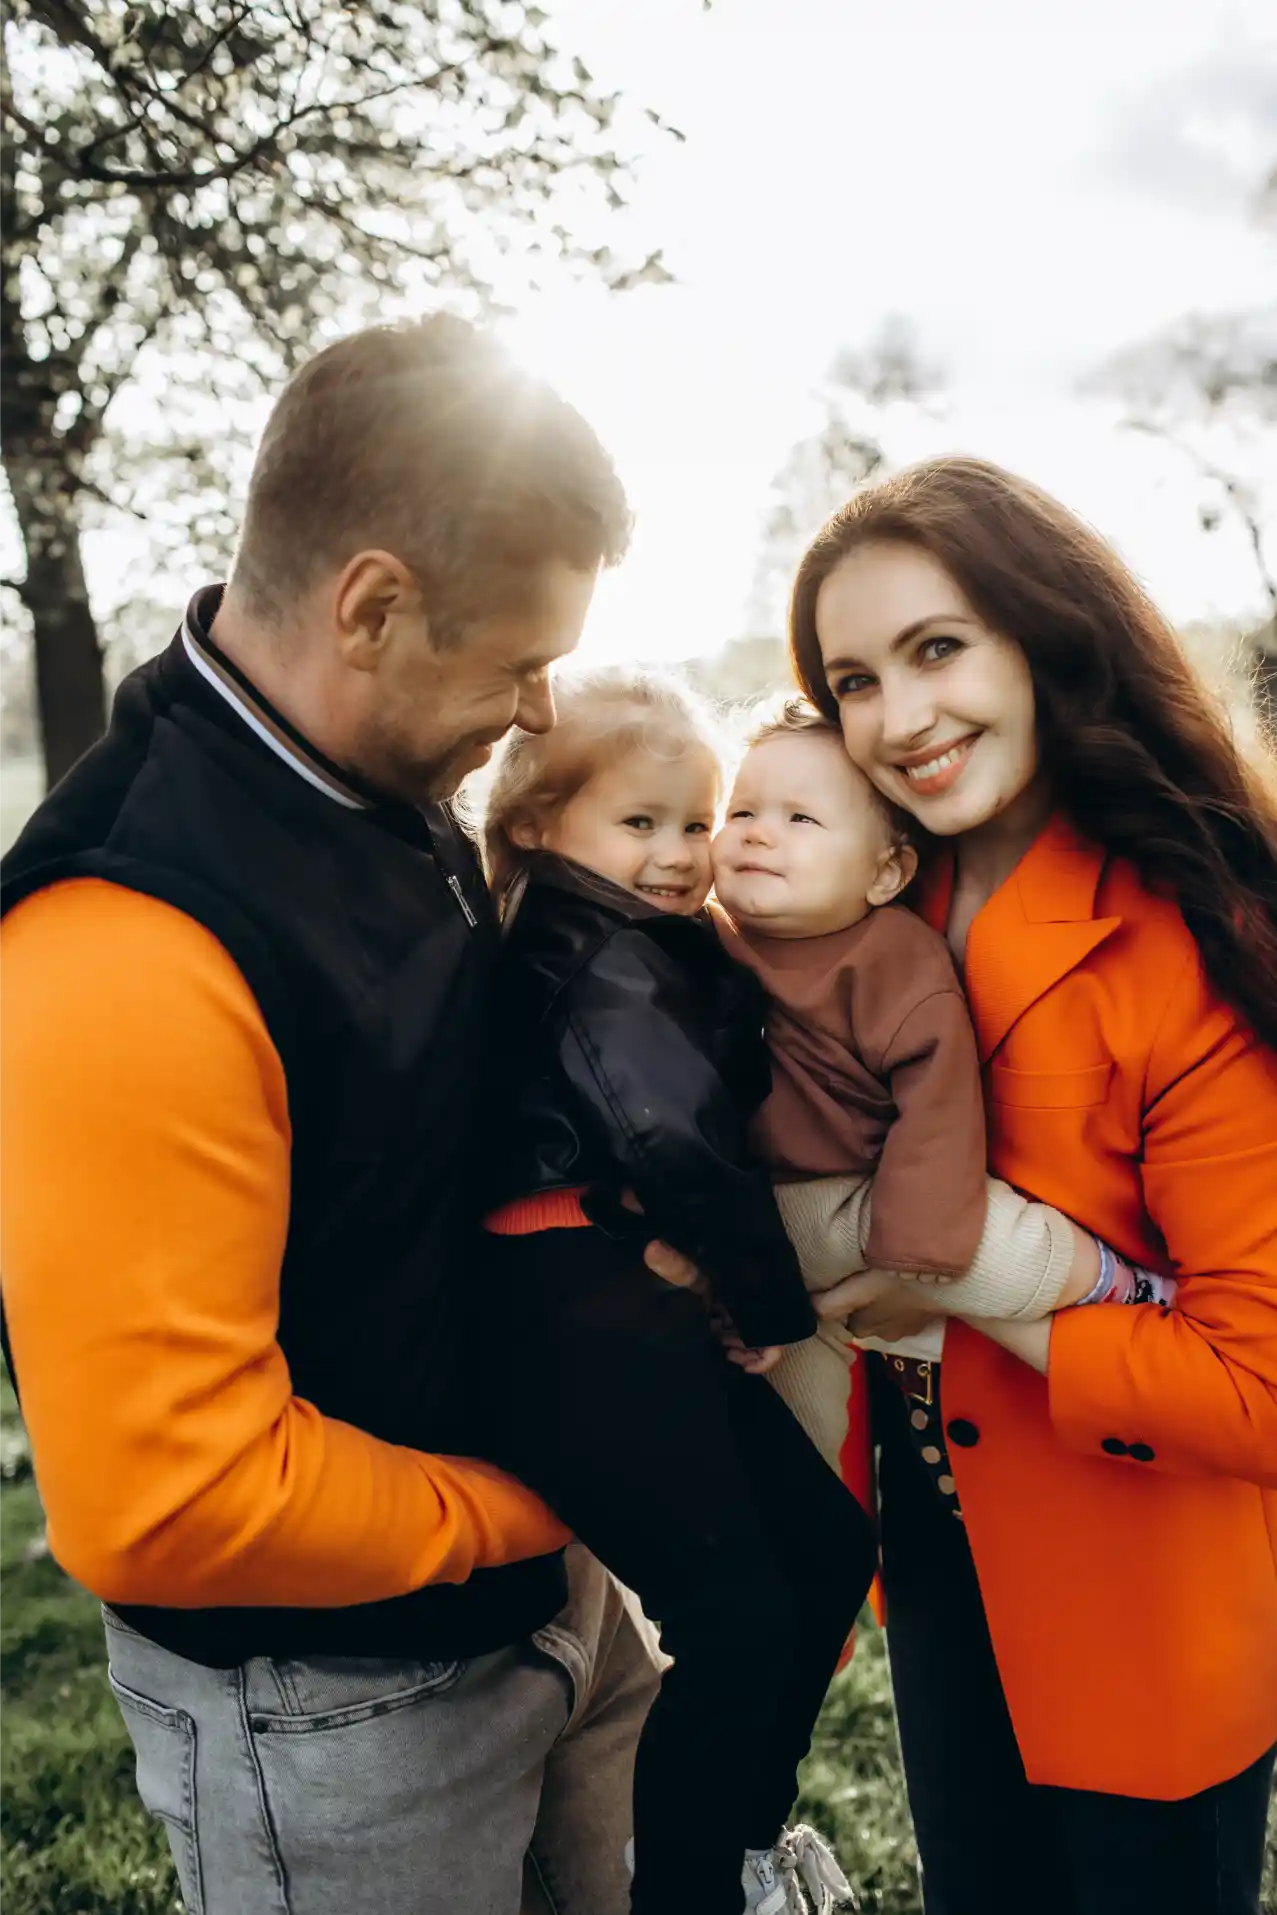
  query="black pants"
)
[
  {"x": 991, "y": 1842},
  {"x": 695, "y": 1485}
]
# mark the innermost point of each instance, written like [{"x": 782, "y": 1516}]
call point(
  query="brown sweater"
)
[{"x": 875, "y": 1072}]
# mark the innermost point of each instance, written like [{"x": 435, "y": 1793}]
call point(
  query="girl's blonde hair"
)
[{"x": 602, "y": 715}]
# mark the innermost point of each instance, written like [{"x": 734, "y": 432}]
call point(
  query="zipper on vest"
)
[{"x": 454, "y": 885}]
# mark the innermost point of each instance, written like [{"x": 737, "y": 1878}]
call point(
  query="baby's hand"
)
[{"x": 754, "y": 1362}]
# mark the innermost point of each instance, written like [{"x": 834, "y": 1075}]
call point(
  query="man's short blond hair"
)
[{"x": 428, "y": 441}]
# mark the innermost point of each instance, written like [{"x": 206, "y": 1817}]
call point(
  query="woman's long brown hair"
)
[{"x": 1140, "y": 756}]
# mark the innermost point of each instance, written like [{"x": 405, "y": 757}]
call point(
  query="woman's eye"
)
[
  {"x": 934, "y": 650},
  {"x": 850, "y": 683}
]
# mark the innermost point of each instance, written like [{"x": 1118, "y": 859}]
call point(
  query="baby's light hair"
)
[
  {"x": 789, "y": 715},
  {"x": 602, "y": 715},
  {"x": 782, "y": 715}
]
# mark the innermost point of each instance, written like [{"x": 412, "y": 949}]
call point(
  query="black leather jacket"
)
[{"x": 634, "y": 1059}]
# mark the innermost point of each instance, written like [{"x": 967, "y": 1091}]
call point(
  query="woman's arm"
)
[
  {"x": 1030, "y": 1260},
  {"x": 1031, "y": 1342},
  {"x": 1191, "y": 1389}
]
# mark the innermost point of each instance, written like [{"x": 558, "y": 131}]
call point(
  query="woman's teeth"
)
[{"x": 934, "y": 766}]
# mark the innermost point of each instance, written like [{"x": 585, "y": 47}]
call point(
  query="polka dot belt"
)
[{"x": 920, "y": 1384}]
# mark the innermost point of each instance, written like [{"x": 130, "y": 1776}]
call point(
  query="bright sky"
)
[{"x": 1031, "y": 189}]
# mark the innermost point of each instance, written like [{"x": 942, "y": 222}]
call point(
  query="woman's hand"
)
[
  {"x": 876, "y": 1303},
  {"x": 885, "y": 1306}
]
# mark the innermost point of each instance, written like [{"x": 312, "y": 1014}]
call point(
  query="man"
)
[{"x": 248, "y": 950}]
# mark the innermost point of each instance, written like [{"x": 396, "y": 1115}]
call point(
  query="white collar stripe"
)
[{"x": 267, "y": 736}]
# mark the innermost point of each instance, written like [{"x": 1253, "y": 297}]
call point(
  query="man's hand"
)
[{"x": 673, "y": 1266}]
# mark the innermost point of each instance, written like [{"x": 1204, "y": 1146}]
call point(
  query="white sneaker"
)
[
  {"x": 806, "y": 1857},
  {"x": 767, "y": 1888}
]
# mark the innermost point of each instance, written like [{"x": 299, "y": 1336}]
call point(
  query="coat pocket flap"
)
[{"x": 1050, "y": 1090}]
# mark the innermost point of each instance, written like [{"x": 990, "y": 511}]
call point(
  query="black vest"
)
[{"x": 367, "y": 939}]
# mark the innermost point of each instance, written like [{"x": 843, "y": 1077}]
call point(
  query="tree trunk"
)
[
  {"x": 70, "y": 689},
  {"x": 44, "y": 469}
]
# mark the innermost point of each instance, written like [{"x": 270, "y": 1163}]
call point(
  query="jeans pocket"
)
[
  {"x": 164, "y": 1743},
  {"x": 329, "y": 1692},
  {"x": 365, "y": 1767}
]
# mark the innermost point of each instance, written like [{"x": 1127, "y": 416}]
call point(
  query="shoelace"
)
[{"x": 804, "y": 1855}]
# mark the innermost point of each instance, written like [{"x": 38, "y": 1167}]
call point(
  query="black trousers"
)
[
  {"x": 695, "y": 1485},
  {"x": 991, "y": 1842}
]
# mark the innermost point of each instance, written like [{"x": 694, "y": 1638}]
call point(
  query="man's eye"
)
[{"x": 850, "y": 683}]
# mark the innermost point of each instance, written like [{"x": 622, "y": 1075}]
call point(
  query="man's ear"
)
[
  {"x": 374, "y": 593},
  {"x": 895, "y": 869}
]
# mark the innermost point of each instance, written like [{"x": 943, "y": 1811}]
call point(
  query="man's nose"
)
[{"x": 536, "y": 711}]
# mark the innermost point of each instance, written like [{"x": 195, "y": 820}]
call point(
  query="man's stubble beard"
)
[{"x": 386, "y": 762}]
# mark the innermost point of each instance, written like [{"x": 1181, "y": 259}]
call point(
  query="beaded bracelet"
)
[{"x": 1104, "y": 1282}]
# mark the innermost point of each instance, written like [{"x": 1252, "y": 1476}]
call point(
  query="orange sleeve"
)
[
  {"x": 146, "y": 1144},
  {"x": 1193, "y": 1389}
]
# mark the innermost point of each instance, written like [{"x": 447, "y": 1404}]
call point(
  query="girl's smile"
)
[{"x": 645, "y": 822}]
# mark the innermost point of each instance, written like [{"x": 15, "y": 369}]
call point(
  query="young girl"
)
[
  {"x": 634, "y": 1059},
  {"x": 1085, "y": 1671}
]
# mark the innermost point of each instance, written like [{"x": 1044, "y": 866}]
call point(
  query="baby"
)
[{"x": 875, "y": 1072}]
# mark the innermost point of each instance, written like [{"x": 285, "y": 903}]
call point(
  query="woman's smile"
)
[{"x": 940, "y": 770}]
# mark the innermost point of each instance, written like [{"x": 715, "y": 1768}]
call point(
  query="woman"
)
[{"x": 1085, "y": 1664}]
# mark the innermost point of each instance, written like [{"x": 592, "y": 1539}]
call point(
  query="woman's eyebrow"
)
[{"x": 901, "y": 639}]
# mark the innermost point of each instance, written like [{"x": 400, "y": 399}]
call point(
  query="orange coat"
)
[{"x": 1123, "y": 1514}]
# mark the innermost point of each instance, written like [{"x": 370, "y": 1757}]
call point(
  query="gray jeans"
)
[{"x": 498, "y": 1786}]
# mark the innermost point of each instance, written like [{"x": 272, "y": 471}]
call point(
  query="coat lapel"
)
[{"x": 1035, "y": 929}]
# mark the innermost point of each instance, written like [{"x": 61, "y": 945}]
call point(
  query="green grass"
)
[{"x": 75, "y": 1840}]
